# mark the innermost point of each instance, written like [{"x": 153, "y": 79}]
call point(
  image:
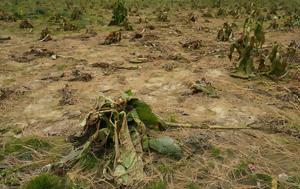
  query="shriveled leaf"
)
[
  {"x": 90, "y": 127},
  {"x": 145, "y": 112},
  {"x": 245, "y": 68},
  {"x": 129, "y": 164},
  {"x": 136, "y": 118},
  {"x": 166, "y": 145},
  {"x": 278, "y": 68}
]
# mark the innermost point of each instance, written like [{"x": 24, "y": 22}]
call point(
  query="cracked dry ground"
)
[{"x": 41, "y": 100}]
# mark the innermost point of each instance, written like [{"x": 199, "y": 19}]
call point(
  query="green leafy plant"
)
[
  {"x": 250, "y": 42},
  {"x": 48, "y": 181},
  {"x": 119, "y": 13},
  {"x": 245, "y": 67}
]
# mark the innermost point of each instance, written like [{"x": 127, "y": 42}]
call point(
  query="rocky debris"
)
[
  {"x": 25, "y": 24},
  {"x": 110, "y": 68},
  {"x": 114, "y": 37}
]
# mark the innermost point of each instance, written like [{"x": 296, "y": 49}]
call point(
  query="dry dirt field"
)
[{"x": 48, "y": 87}]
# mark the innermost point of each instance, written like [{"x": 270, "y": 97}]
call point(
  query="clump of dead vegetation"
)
[
  {"x": 73, "y": 75},
  {"x": 249, "y": 45},
  {"x": 7, "y": 17},
  {"x": 25, "y": 24},
  {"x": 226, "y": 33},
  {"x": 67, "y": 96},
  {"x": 77, "y": 75},
  {"x": 205, "y": 87},
  {"x": 33, "y": 54},
  {"x": 162, "y": 16},
  {"x": 5, "y": 93},
  {"x": 116, "y": 133},
  {"x": 45, "y": 35},
  {"x": 193, "y": 44},
  {"x": 114, "y": 37},
  {"x": 68, "y": 26},
  {"x": 12, "y": 93}
]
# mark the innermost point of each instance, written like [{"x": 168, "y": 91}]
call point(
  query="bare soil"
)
[{"x": 36, "y": 101}]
